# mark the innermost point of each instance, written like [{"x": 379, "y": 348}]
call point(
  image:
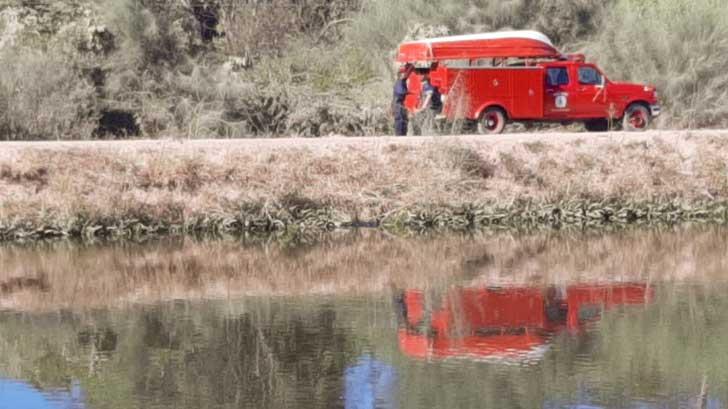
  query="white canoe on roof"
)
[{"x": 523, "y": 44}]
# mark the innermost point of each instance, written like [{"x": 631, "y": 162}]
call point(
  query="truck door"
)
[
  {"x": 527, "y": 93},
  {"x": 557, "y": 93},
  {"x": 589, "y": 96}
]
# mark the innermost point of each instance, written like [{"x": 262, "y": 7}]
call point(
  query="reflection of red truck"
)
[
  {"x": 504, "y": 323},
  {"x": 494, "y": 78}
]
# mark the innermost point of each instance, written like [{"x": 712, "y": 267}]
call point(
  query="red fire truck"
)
[{"x": 519, "y": 76}]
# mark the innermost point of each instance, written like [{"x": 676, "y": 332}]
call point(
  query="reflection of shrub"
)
[{"x": 43, "y": 97}]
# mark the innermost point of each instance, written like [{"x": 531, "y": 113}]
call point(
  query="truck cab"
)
[
  {"x": 492, "y": 79},
  {"x": 576, "y": 90}
]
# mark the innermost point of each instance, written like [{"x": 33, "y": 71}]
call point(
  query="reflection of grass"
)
[
  {"x": 257, "y": 350},
  {"x": 270, "y": 349},
  {"x": 680, "y": 337},
  {"x": 81, "y": 277},
  {"x": 663, "y": 346}
]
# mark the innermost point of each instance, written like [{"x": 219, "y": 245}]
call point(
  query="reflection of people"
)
[
  {"x": 371, "y": 384},
  {"x": 399, "y": 110},
  {"x": 431, "y": 105}
]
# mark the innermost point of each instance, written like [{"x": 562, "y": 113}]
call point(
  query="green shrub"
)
[
  {"x": 43, "y": 97},
  {"x": 154, "y": 35},
  {"x": 252, "y": 29}
]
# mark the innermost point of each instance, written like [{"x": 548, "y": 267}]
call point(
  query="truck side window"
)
[
  {"x": 589, "y": 76},
  {"x": 557, "y": 76}
]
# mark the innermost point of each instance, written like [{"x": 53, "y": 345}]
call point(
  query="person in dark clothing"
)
[
  {"x": 401, "y": 116},
  {"x": 433, "y": 98},
  {"x": 430, "y": 108}
]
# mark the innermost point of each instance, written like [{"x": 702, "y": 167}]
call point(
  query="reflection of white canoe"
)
[
  {"x": 513, "y": 357},
  {"x": 521, "y": 349},
  {"x": 17, "y": 394}
]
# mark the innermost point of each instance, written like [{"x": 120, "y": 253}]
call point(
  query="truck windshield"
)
[
  {"x": 557, "y": 76},
  {"x": 589, "y": 76}
]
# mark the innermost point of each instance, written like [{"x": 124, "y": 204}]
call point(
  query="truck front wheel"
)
[
  {"x": 636, "y": 118},
  {"x": 493, "y": 121}
]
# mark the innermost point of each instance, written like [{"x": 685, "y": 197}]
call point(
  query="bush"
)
[
  {"x": 679, "y": 46},
  {"x": 252, "y": 29},
  {"x": 155, "y": 35},
  {"x": 43, "y": 97}
]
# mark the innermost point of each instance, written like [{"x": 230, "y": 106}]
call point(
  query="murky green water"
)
[{"x": 627, "y": 320}]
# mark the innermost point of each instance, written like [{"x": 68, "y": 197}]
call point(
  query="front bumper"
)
[{"x": 655, "y": 110}]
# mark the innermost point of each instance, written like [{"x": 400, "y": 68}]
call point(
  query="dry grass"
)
[
  {"x": 361, "y": 179},
  {"x": 679, "y": 46},
  {"x": 41, "y": 97},
  {"x": 79, "y": 277}
]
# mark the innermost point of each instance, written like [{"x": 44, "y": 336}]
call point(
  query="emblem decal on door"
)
[{"x": 562, "y": 100}]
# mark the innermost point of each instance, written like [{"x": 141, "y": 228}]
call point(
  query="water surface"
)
[{"x": 635, "y": 319}]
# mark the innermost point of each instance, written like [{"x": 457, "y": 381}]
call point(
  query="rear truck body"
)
[{"x": 491, "y": 79}]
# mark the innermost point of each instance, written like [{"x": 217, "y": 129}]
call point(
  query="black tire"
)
[
  {"x": 597, "y": 125},
  {"x": 637, "y": 118},
  {"x": 492, "y": 121}
]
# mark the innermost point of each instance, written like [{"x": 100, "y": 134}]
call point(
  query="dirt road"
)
[{"x": 328, "y": 143}]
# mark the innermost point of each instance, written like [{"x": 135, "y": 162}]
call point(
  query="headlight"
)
[{"x": 651, "y": 89}]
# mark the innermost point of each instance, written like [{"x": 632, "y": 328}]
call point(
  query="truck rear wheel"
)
[
  {"x": 493, "y": 121},
  {"x": 636, "y": 118}
]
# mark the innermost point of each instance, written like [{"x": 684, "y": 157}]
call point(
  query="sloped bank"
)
[{"x": 137, "y": 189}]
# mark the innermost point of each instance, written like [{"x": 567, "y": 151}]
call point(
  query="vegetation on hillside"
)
[{"x": 224, "y": 68}]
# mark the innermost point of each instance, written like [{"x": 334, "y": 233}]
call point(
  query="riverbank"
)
[{"x": 141, "y": 188}]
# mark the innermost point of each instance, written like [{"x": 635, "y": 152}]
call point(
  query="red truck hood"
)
[
  {"x": 628, "y": 86},
  {"x": 635, "y": 91}
]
